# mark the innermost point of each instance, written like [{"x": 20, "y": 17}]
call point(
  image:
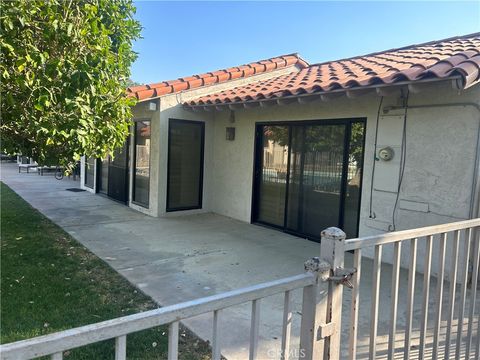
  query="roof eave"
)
[{"x": 457, "y": 83}]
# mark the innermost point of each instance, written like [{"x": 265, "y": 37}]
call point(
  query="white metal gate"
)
[{"x": 454, "y": 314}]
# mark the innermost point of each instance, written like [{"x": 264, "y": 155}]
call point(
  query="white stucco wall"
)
[
  {"x": 171, "y": 107},
  {"x": 436, "y": 139},
  {"x": 441, "y": 152},
  {"x": 142, "y": 112},
  {"x": 440, "y": 141},
  {"x": 439, "y": 169}
]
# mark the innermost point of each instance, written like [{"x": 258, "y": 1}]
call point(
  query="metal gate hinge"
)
[
  {"x": 325, "y": 330},
  {"x": 343, "y": 276}
]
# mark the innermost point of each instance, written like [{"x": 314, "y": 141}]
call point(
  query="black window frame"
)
[
  {"x": 258, "y": 148},
  {"x": 202, "y": 165},
  {"x": 134, "y": 164},
  {"x": 87, "y": 177}
]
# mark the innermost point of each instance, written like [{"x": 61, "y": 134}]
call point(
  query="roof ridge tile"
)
[
  {"x": 457, "y": 56},
  {"x": 215, "y": 77}
]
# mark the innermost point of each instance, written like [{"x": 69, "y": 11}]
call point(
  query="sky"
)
[{"x": 185, "y": 38}]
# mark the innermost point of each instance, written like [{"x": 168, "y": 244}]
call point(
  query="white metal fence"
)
[
  {"x": 322, "y": 307},
  {"x": 435, "y": 341}
]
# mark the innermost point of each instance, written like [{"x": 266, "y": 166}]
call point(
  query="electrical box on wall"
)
[
  {"x": 230, "y": 133},
  {"x": 386, "y": 153},
  {"x": 390, "y": 130}
]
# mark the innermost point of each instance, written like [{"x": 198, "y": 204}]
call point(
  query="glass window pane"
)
[
  {"x": 354, "y": 180},
  {"x": 141, "y": 189},
  {"x": 295, "y": 180},
  {"x": 90, "y": 172},
  {"x": 322, "y": 177},
  {"x": 185, "y": 165},
  {"x": 118, "y": 174},
  {"x": 272, "y": 183},
  {"x": 308, "y": 176},
  {"x": 103, "y": 186}
]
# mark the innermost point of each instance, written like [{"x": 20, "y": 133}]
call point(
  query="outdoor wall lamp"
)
[
  {"x": 230, "y": 133},
  {"x": 152, "y": 106}
]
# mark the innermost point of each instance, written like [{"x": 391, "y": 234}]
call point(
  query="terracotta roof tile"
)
[
  {"x": 150, "y": 91},
  {"x": 441, "y": 59}
]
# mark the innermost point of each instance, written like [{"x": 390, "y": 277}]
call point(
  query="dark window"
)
[
  {"x": 118, "y": 167},
  {"x": 354, "y": 179},
  {"x": 90, "y": 172},
  {"x": 141, "y": 180},
  {"x": 102, "y": 170},
  {"x": 308, "y": 175},
  {"x": 185, "y": 164},
  {"x": 273, "y": 171}
]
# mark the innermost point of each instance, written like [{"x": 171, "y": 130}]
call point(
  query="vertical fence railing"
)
[
  {"x": 121, "y": 347},
  {"x": 286, "y": 326},
  {"x": 352, "y": 341},
  {"x": 475, "y": 275},
  {"x": 394, "y": 296},
  {"x": 439, "y": 296},
  {"x": 55, "y": 344},
  {"x": 445, "y": 328},
  {"x": 216, "y": 354}
]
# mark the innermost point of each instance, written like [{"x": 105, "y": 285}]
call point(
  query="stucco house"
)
[{"x": 373, "y": 143}]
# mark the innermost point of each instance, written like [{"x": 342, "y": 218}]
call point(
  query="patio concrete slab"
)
[{"x": 181, "y": 258}]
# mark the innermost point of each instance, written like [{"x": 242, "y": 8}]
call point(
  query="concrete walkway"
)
[{"x": 180, "y": 258}]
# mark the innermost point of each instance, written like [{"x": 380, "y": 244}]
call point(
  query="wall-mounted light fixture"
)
[
  {"x": 152, "y": 106},
  {"x": 230, "y": 133}
]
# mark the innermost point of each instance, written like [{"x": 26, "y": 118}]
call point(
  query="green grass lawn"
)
[{"x": 50, "y": 282}]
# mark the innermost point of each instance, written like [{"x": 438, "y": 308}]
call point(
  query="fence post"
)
[
  {"x": 332, "y": 250},
  {"x": 314, "y": 310},
  {"x": 321, "y": 307}
]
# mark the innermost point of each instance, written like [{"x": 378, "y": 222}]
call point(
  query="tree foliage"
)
[
  {"x": 65, "y": 65},
  {"x": 320, "y": 139}
]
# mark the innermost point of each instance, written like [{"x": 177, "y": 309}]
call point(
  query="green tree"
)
[
  {"x": 64, "y": 66},
  {"x": 321, "y": 138}
]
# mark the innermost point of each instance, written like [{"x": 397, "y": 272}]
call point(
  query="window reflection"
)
[
  {"x": 354, "y": 179},
  {"x": 141, "y": 188},
  {"x": 185, "y": 164},
  {"x": 308, "y": 176},
  {"x": 90, "y": 172},
  {"x": 271, "y": 205}
]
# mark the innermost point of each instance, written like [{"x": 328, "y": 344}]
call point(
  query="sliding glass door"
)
[
  {"x": 185, "y": 164},
  {"x": 308, "y": 176}
]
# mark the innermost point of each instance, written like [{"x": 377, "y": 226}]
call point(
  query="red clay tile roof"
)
[
  {"x": 150, "y": 91},
  {"x": 459, "y": 56}
]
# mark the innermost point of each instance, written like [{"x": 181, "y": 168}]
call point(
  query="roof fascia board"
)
[{"x": 337, "y": 91}]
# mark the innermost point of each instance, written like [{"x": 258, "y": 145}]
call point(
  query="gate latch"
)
[{"x": 343, "y": 276}]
